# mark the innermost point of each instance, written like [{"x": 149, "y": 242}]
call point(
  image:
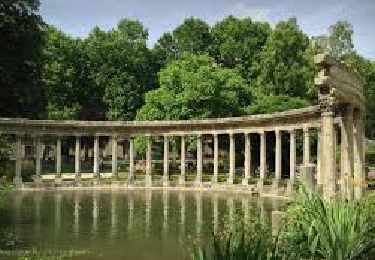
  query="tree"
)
[
  {"x": 121, "y": 69},
  {"x": 63, "y": 75},
  {"x": 284, "y": 67},
  {"x": 21, "y": 30},
  {"x": 339, "y": 40},
  {"x": 192, "y": 36},
  {"x": 236, "y": 43},
  {"x": 195, "y": 87}
]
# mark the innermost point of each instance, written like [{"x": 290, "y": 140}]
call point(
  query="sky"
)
[{"x": 78, "y": 17}]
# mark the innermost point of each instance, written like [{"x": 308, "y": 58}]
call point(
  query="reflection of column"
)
[
  {"x": 76, "y": 213},
  {"x": 230, "y": 203},
  {"x": 131, "y": 160},
  {"x": 182, "y": 160},
  {"x": 245, "y": 209},
  {"x": 130, "y": 212},
  {"x": 198, "y": 180},
  {"x": 95, "y": 212},
  {"x": 306, "y": 146},
  {"x": 148, "y": 178},
  {"x": 166, "y": 162},
  {"x": 114, "y": 157},
  {"x": 358, "y": 152},
  {"x": 148, "y": 209},
  {"x": 181, "y": 198},
  {"x": 215, "y": 207},
  {"x": 232, "y": 158},
  {"x": 96, "y": 157},
  {"x": 262, "y": 167},
  {"x": 216, "y": 159},
  {"x": 58, "y": 198},
  {"x": 38, "y": 200},
  {"x": 58, "y": 157},
  {"x": 113, "y": 215},
  {"x": 18, "y": 166},
  {"x": 198, "y": 201},
  {"x": 77, "y": 157},
  {"x": 165, "y": 212},
  {"x": 247, "y": 163}
]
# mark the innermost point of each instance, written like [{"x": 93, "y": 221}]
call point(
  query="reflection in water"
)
[
  {"x": 215, "y": 203},
  {"x": 148, "y": 209},
  {"x": 95, "y": 212},
  {"x": 77, "y": 202},
  {"x": 157, "y": 221}
]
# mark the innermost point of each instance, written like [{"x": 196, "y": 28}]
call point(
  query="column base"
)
[
  {"x": 181, "y": 181},
  {"x": 290, "y": 189},
  {"x": 214, "y": 180},
  {"x": 198, "y": 182},
  {"x": 245, "y": 181},
  {"x": 17, "y": 182},
  {"x": 165, "y": 180},
  {"x": 148, "y": 180},
  {"x": 260, "y": 186},
  {"x": 38, "y": 181},
  {"x": 58, "y": 180},
  {"x": 230, "y": 180},
  {"x": 96, "y": 180},
  {"x": 276, "y": 186},
  {"x": 130, "y": 180}
]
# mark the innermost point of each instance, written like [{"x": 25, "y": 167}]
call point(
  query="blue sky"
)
[{"x": 78, "y": 17}]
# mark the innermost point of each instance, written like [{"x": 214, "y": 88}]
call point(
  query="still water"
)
[{"x": 125, "y": 224}]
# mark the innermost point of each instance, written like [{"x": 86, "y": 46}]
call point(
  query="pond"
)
[{"x": 138, "y": 224}]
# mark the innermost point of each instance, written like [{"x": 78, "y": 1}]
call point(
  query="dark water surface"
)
[{"x": 125, "y": 224}]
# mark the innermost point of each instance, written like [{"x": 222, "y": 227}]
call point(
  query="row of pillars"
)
[{"x": 199, "y": 168}]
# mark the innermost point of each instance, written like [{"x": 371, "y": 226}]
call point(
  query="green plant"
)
[{"x": 320, "y": 229}]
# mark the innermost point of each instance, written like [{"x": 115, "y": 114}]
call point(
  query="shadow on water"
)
[{"x": 123, "y": 224}]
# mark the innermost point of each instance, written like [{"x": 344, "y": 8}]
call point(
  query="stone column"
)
[
  {"x": 358, "y": 150},
  {"x": 306, "y": 146},
  {"x": 96, "y": 158},
  {"x": 262, "y": 166},
  {"x": 347, "y": 163},
  {"x": 131, "y": 161},
  {"x": 182, "y": 161},
  {"x": 319, "y": 178},
  {"x": 247, "y": 165},
  {"x": 38, "y": 160},
  {"x": 77, "y": 158},
  {"x": 232, "y": 158},
  {"x": 292, "y": 155},
  {"x": 18, "y": 167},
  {"x": 328, "y": 165},
  {"x": 278, "y": 153},
  {"x": 166, "y": 162},
  {"x": 148, "y": 178},
  {"x": 198, "y": 180},
  {"x": 114, "y": 156},
  {"x": 216, "y": 159},
  {"x": 58, "y": 157}
]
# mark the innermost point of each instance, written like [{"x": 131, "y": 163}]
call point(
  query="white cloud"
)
[{"x": 241, "y": 10}]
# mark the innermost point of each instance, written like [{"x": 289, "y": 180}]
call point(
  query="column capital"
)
[
  {"x": 261, "y": 132},
  {"x": 292, "y": 131}
]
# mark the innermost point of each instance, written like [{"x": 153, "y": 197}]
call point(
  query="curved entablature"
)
[
  {"x": 337, "y": 84},
  {"x": 292, "y": 119}
]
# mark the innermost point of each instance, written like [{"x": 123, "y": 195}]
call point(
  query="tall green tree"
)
[
  {"x": 64, "y": 75},
  {"x": 194, "y": 87},
  {"x": 284, "y": 67},
  {"x": 339, "y": 40},
  {"x": 21, "y": 30},
  {"x": 121, "y": 69},
  {"x": 192, "y": 36},
  {"x": 236, "y": 43}
]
